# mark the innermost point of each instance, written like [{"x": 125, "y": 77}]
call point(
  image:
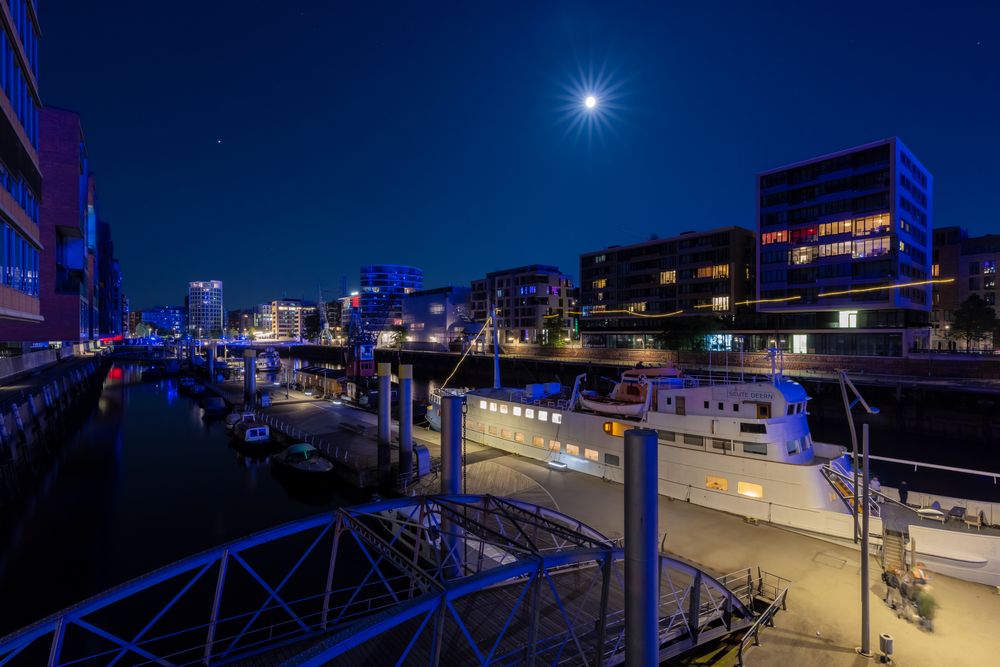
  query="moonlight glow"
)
[{"x": 591, "y": 102}]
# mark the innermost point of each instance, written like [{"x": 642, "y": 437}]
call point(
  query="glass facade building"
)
[
  {"x": 206, "y": 316},
  {"x": 383, "y": 287}
]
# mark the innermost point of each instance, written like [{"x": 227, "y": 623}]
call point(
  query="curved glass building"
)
[{"x": 383, "y": 287}]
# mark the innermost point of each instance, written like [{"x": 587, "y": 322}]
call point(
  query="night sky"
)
[{"x": 277, "y": 145}]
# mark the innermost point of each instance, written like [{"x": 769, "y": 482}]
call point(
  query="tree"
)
[
  {"x": 554, "y": 332},
  {"x": 974, "y": 321},
  {"x": 687, "y": 333}
]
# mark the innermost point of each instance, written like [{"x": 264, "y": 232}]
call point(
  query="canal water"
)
[{"x": 146, "y": 481}]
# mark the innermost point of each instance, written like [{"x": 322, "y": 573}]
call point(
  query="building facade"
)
[
  {"x": 972, "y": 262},
  {"x": 206, "y": 315},
  {"x": 287, "y": 319},
  {"x": 434, "y": 318},
  {"x": 383, "y": 287},
  {"x": 844, "y": 243},
  {"x": 21, "y": 239},
  {"x": 166, "y": 319},
  {"x": 629, "y": 294},
  {"x": 524, "y": 298}
]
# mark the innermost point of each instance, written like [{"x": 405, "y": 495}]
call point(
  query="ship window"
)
[
  {"x": 554, "y": 445},
  {"x": 591, "y": 455},
  {"x": 529, "y": 413},
  {"x": 755, "y": 448},
  {"x": 493, "y": 406},
  {"x": 572, "y": 449},
  {"x": 503, "y": 408},
  {"x": 612, "y": 459},
  {"x": 493, "y": 430},
  {"x": 726, "y": 445},
  {"x": 791, "y": 409},
  {"x": 736, "y": 407},
  {"x": 720, "y": 406},
  {"x": 792, "y": 446},
  {"x": 614, "y": 428},
  {"x": 752, "y": 428},
  {"x": 482, "y": 405},
  {"x": 669, "y": 400},
  {"x": 518, "y": 436},
  {"x": 517, "y": 410},
  {"x": 717, "y": 483},
  {"x": 665, "y": 436},
  {"x": 538, "y": 441},
  {"x": 694, "y": 440},
  {"x": 556, "y": 418},
  {"x": 750, "y": 490},
  {"x": 543, "y": 416},
  {"x": 706, "y": 405},
  {"x": 506, "y": 433}
]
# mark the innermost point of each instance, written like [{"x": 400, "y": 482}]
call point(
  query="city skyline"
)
[{"x": 396, "y": 110}]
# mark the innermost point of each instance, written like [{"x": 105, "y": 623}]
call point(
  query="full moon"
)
[{"x": 590, "y": 102}]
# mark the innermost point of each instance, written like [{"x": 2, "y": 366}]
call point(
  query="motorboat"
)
[
  {"x": 302, "y": 457},
  {"x": 252, "y": 432},
  {"x": 630, "y": 397},
  {"x": 235, "y": 417},
  {"x": 269, "y": 361}
]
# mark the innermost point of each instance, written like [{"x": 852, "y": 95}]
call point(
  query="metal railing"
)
[{"x": 766, "y": 619}]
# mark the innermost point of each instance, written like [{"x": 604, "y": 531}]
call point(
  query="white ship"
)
[
  {"x": 737, "y": 444},
  {"x": 269, "y": 361}
]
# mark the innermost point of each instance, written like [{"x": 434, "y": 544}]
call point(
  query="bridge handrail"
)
[{"x": 766, "y": 619}]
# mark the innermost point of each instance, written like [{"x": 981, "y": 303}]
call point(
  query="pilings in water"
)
[
  {"x": 43, "y": 417},
  {"x": 249, "y": 378},
  {"x": 384, "y": 424},
  {"x": 405, "y": 424},
  {"x": 210, "y": 361},
  {"x": 451, "y": 479},
  {"x": 642, "y": 577}
]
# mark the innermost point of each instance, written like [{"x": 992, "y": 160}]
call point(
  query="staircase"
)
[
  {"x": 840, "y": 478},
  {"x": 893, "y": 550}
]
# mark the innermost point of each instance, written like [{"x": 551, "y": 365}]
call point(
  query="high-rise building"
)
[
  {"x": 383, "y": 287},
  {"x": 524, "y": 297},
  {"x": 108, "y": 284},
  {"x": 628, "y": 293},
  {"x": 20, "y": 173},
  {"x": 206, "y": 315},
  {"x": 166, "y": 319},
  {"x": 286, "y": 318},
  {"x": 844, "y": 244},
  {"x": 66, "y": 266}
]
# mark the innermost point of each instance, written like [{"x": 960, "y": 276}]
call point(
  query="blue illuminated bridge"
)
[{"x": 427, "y": 580}]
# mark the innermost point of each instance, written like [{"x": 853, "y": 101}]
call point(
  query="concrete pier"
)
[
  {"x": 210, "y": 361},
  {"x": 405, "y": 424},
  {"x": 384, "y": 424},
  {"x": 249, "y": 377}
]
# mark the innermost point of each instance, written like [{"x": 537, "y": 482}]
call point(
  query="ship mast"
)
[{"x": 496, "y": 349}]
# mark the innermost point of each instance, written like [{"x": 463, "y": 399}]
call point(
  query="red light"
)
[{"x": 116, "y": 374}]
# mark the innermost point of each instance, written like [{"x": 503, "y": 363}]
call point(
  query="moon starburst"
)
[{"x": 590, "y": 101}]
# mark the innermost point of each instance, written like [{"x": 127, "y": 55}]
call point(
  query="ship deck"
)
[{"x": 898, "y": 517}]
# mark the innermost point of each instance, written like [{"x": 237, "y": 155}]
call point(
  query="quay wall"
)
[{"x": 40, "y": 415}]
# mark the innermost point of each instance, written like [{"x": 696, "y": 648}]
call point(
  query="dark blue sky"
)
[{"x": 428, "y": 133}]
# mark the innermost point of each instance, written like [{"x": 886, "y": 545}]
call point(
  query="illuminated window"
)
[
  {"x": 482, "y": 405},
  {"x": 543, "y": 416},
  {"x": 572, "y": 449},
  {"x": 804, "y": 254},
  {"x": 750, "y": 490},
  {"x": 799, "y": 344},
  {"x": 704, "y": 272},
  {"x": 935, "y": 270},
  {"x": 591, "y": 455},
  {"x": 871, "y": 247},
  {"x": 768, "y": 238},
  {"x": 554, "y": 445},
  {"x": 847, "y": 319},
  {"x": 506, "y": 433},
  {"x": 638, "y": 307},
  {"x": 792, "y": 446},
  {"x": 614, "y": 428},
  {"x": 556, "y": 418},
  {"x": 493, "y": 406},
  {"x": 600, "y": 283},
  {"x": 600, "y": 259},
  {"x": 517, "y": 410},
  {"x": 989, "y": 266},
  {"x": 720, "y": 271},
  {"x": 529, "y": 413},
  {"x": 518, "y": 436},
  {"x": 493, "y": 430},
  {"x": 716, "y": 483},
  {"x": 503, "y": 408},
  {"x": 720, "y": 303},
  {"x": 538, "y": 441},
  {"x": 668, "y": 277}
]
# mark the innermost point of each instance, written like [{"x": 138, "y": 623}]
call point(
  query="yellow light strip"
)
[{"x": 859, "y": 290}]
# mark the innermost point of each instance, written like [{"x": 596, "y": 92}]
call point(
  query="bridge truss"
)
[{"x": 470, "y": 580}]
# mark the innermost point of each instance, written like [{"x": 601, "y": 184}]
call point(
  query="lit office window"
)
[{"x": 668, "y": 277}]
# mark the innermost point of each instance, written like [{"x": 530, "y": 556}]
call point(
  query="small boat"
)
[
  {"x": 252, "y": 432},
  {"x": 213, "y": 406},
  {"x": 235, "y": 417},
  {"x": 631, "y": 396},
  {"x": 269, "y": 361},
  {"x": 302, "y": 457}
]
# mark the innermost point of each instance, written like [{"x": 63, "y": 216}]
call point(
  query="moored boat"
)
[
  {"x": 253, "y": 432},
  {"x": 304, "y": 458}
]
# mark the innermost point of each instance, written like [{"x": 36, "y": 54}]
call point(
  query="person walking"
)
[
  {"x": 876, "y": 488},
  {"x": 904, "y": 491}
]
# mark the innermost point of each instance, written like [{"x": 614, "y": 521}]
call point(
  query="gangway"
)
[{"x": 440, "y": 580}]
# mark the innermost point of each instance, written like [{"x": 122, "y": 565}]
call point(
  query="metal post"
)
[
  {"x": 642, "y": 589},
  {"x": 865, "y": 612},
  {"x": 854, "y": 449},
  {"x": 219, "y": 586},
  {"x": 602, "y": 614},
  {"x": 329, "y": 572},
  {"x": 496, "y": 350},
  {"x": 211, "y": 362},
  {"x": 405, "y": 424},
  {"x": 249, "y": 378},
  {"x": 451, "y": 444},
  {"x": 384, "y": 423}
]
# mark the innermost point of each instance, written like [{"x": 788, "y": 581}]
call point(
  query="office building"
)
[
  {"x": 844, "y": 244},
  {"x": 434, "y": 318},
  {"x": 524, "y": 297},
  {"x": 629, "y": 294},
  {"x": 67, "y": 285},
  {"x": 383, "y": 287},
  {"x": 972, "y": 262},
  {"x": 287, "y": 319},
  {"x": 20, "y": 173},
  {"x": 206, "y": 315},
  {"x": 109, "y": 284},
  {"x": 166, "y": 320}
]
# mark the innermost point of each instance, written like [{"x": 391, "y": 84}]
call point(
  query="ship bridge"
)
[{"x": 467, "y": 579}]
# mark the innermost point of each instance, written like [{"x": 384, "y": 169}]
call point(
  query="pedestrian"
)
[
  {"x": 904, "y": 491},
  {"x": 876, "y": 488}
]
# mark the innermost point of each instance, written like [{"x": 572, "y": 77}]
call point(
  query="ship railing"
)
[
  {"x": 842, "y": 482},
  {"x": 721, "y": 378}
]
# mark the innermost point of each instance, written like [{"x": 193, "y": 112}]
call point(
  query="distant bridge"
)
[{"x": 453, "y": 580}]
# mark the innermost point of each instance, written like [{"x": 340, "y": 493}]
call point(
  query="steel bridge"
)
[{"x": 453, "y": 580}]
